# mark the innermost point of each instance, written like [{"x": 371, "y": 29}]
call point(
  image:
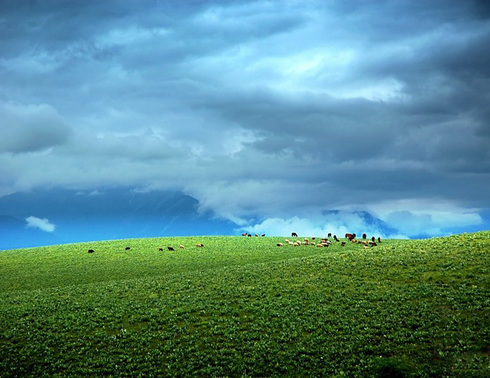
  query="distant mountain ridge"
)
[
  {"x": 101, "y": 215},
  {"x": 368, "y": 220}
]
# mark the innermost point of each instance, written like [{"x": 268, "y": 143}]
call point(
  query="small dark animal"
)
[
  {"x": 279, "y": 244},
  {"x": 329, "y": 234},
  {"x": 364, "y": 236},
  {"x": 294, "y": 235},
  {"x": 379, "y": 239},
  {"x": 373, "y": 239},
  {"x": 199, "y": 245},
  {"x": 160, "y": 249},
  {"x": 249, "y": 235},
  {"x": 335, "y": 238},
  {"x": 263, "y": 235},
  {"x": 342, "y": 244},
  {"x": 127, "y": 248},
  {"x": 244, "y": 234},
  {"x": 171, "y": 248},
  {"x": 90, "y": 251}
]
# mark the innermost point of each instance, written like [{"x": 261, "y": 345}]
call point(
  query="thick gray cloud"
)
[
  {"x": 258, "y": 109},
  {"x": 30, "y": 128}
]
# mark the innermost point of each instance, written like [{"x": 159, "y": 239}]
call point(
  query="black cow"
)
[
  {"x": 364, "y": 236},
  {"x": 127, "y": 248},
  {"x": 335, "y": 238},
  {"x": 294, "y": 235},
  {"x": 90, "y": 251},
  {"x": 171, "y": 248}
]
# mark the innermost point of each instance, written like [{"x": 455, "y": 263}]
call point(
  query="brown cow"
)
[{"x": 350, "y": 236}]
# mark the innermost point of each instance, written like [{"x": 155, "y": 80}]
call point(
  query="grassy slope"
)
[{"x": 242, "y": 306}]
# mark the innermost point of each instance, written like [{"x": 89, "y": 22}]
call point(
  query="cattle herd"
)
[
  {"x": 319, "y": 242},
  {"x": 170, "y": 248},
  {"x": 325, "y": 242}
]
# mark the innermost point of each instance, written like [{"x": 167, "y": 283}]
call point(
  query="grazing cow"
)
[
  {"x": 335, "y": 238},
  {"x": 171, "y": 248},
  {"x": 199, "y": 245},
  {"x": 263, "y": 235},
  {"x": 90, "y": 251},
  {"x": 364, "y": 236},
  {"x": 294, "y": 235},
  {"x": 373, "y": 239},
  {"x": 127, "y": 248},
  {"x": 181, "y": 246},
  {"x": 342, "y": 244},
  {"x": 279, "y": 244},
  {"x": 256, "y": 235},
  {"x": 249, "y": 235},
  {"x": 244, "y": 234},
  {"x": 379, "y": 239},
  {"x": 329, "y": 234},
  {"x": 160, "y": 249},
  {"x": 307, "y": 241}
]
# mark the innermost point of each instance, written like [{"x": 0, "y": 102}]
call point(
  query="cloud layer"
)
[
  {"x": 259, "y": 110},
  {"x": 42, "y": 224}
]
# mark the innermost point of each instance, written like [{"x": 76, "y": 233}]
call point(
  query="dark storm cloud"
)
[
  {"x": 30, "y": 128},
  {"x": 258, "y": 109}
]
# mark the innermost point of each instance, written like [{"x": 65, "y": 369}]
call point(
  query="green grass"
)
[{"x": 245, "y": 307}]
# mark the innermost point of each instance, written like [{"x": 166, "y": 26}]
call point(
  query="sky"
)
[{"x": 271, "y": 114}]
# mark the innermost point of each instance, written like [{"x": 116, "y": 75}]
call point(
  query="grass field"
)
[{"x": 242, "y": 306}]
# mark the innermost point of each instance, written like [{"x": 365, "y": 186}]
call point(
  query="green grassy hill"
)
[{"x": 244, "y": 307}]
